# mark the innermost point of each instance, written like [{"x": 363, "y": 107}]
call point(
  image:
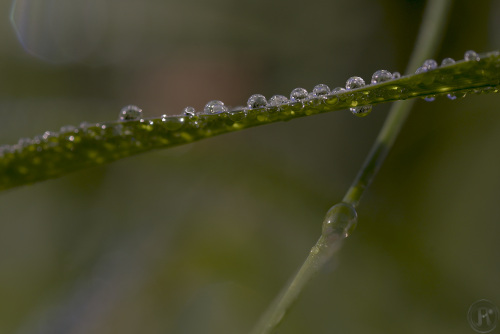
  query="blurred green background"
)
[{"x": 200, "y": 238}]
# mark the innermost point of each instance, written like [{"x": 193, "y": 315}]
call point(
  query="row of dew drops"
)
[
  {"x": 256, "y": 101},
  {"x": 321, "y": 91}
]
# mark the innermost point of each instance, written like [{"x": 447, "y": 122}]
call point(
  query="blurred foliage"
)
[{"x": 199, "y": 239}]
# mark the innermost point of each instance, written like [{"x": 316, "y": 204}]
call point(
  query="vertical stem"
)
[{"x": 429, "y": 37}]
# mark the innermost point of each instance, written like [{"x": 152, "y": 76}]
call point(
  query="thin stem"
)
[{"x": 429, "y": 37}]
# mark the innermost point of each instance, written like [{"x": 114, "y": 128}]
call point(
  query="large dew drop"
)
[
  {"x": 340, "y": 220},
  {"x": 215, "y": 107},
  {"x": 256, "y": 101},
  {"x": 298, "y": 94},
  {"x": 320, "y": 90},
  {"x": 130, "y": 113},
  {"x": 381, "y": 76},
  {"x": 277, "y": 100},
  {"x": 354, "y": 82},
  {"x": 471, "y": 55}
]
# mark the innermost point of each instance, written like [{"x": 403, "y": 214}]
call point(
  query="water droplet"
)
[
  {"x": 338, "y": 90},
  {"x": 215, "y": 107},
  {"x": 298, "y": 94},
  {"x": 421, "y": 69},
  {"x": 431, "y": 64},
  {"x": 354, "y": 82},
  {"x": 256, "y": 101},
  {"x": 67, "y": 128},
  {"x": 85, "y": 125},
  {"x": 471, "y": 55},
  {"x": 48, "y": 134},
  {"x": 23, "y": 142},
  {"x": 340, "y": 220},
  {"x": 320, "y": 90},
  {"x": 454, "y": 96},
  {"x": 361, "y": 111},
  {"x": 381, "y": 76},
  {"x": 430, "y": 98},
  {"x": 277, "y": 100},
  {"x": 130, "y": 113},
  {"x": 396, "y": 75},
  {"x": 189, "y": 112},
  {"x": 447, "y": 61}
]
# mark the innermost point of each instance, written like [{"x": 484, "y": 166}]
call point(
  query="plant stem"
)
[{"x": 430, "y": 34}]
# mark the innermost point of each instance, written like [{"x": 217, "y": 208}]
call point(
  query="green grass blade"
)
[{"x": 56, "y": 154}]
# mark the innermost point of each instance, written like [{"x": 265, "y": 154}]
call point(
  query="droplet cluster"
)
[
  {"x": 139, "y": 130},
  {"x": 431, "y": 64}
]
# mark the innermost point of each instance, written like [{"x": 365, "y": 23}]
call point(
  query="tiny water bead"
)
[
  {"x": 130, "y": 113},
  {"x": 215, "y": 107},
  {"x": 256, "y": 101},
  {"x": 189, "y": 112},
  {"x": 340, "y": 220},
  {"x": 361, "y": 111},
  {"x": 396, "y": 75},
  {"x": 421, "y": 69},
  {"x": 67, "y": 128},
  {"x": 431, "y": 64},
  {"x": 430, "y": 98},
  {"x": 277, "y": 100},
  {"x": 337, "y": 90},
  {"x": 354, "y": 82},
  {"x": 381, "y": 76},
  {"x": 298, "y": 94},
  {"x": 447, "y": 61},
  {"x": 320, "y": 90},
  {"x": 471, "y": 56}
]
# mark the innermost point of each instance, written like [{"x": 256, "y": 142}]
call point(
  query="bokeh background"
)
[{"x": 200, "y": 238}]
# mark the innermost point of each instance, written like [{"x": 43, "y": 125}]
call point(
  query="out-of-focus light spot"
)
[{"x": 59, "y": 31}]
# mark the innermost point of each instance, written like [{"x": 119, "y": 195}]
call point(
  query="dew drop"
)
[
  {"x": 340, "y": 220},
  {"x": 421, "y": 69},
  {"x": 381, "y": 76},
  {"x": 215, "y": 107},
  {"x": 189, "y": 112},
  {"x": 361, "y": 111},
  {"x": 48, "y": 134},
  {"x": 396, "y": 75},
  {"x": 454, "y": 96},
  {"x": 471, "y": 55},
  {"x": 320, "y": 90},
  {"x": 277, "y": 100},
  {"x": 354, "y": 82},
  {"x": 430, "y": 64},
  {"x": 337, "y": 90},
  {"x": 256, "y": 101},
  {"x": 298, "y": 94},
  {"x": 67, "y": 128},
  {"x": 447, "y": 61},
  {"x": 130, "y": 113},
  {"x": 430, "y": 98}
]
